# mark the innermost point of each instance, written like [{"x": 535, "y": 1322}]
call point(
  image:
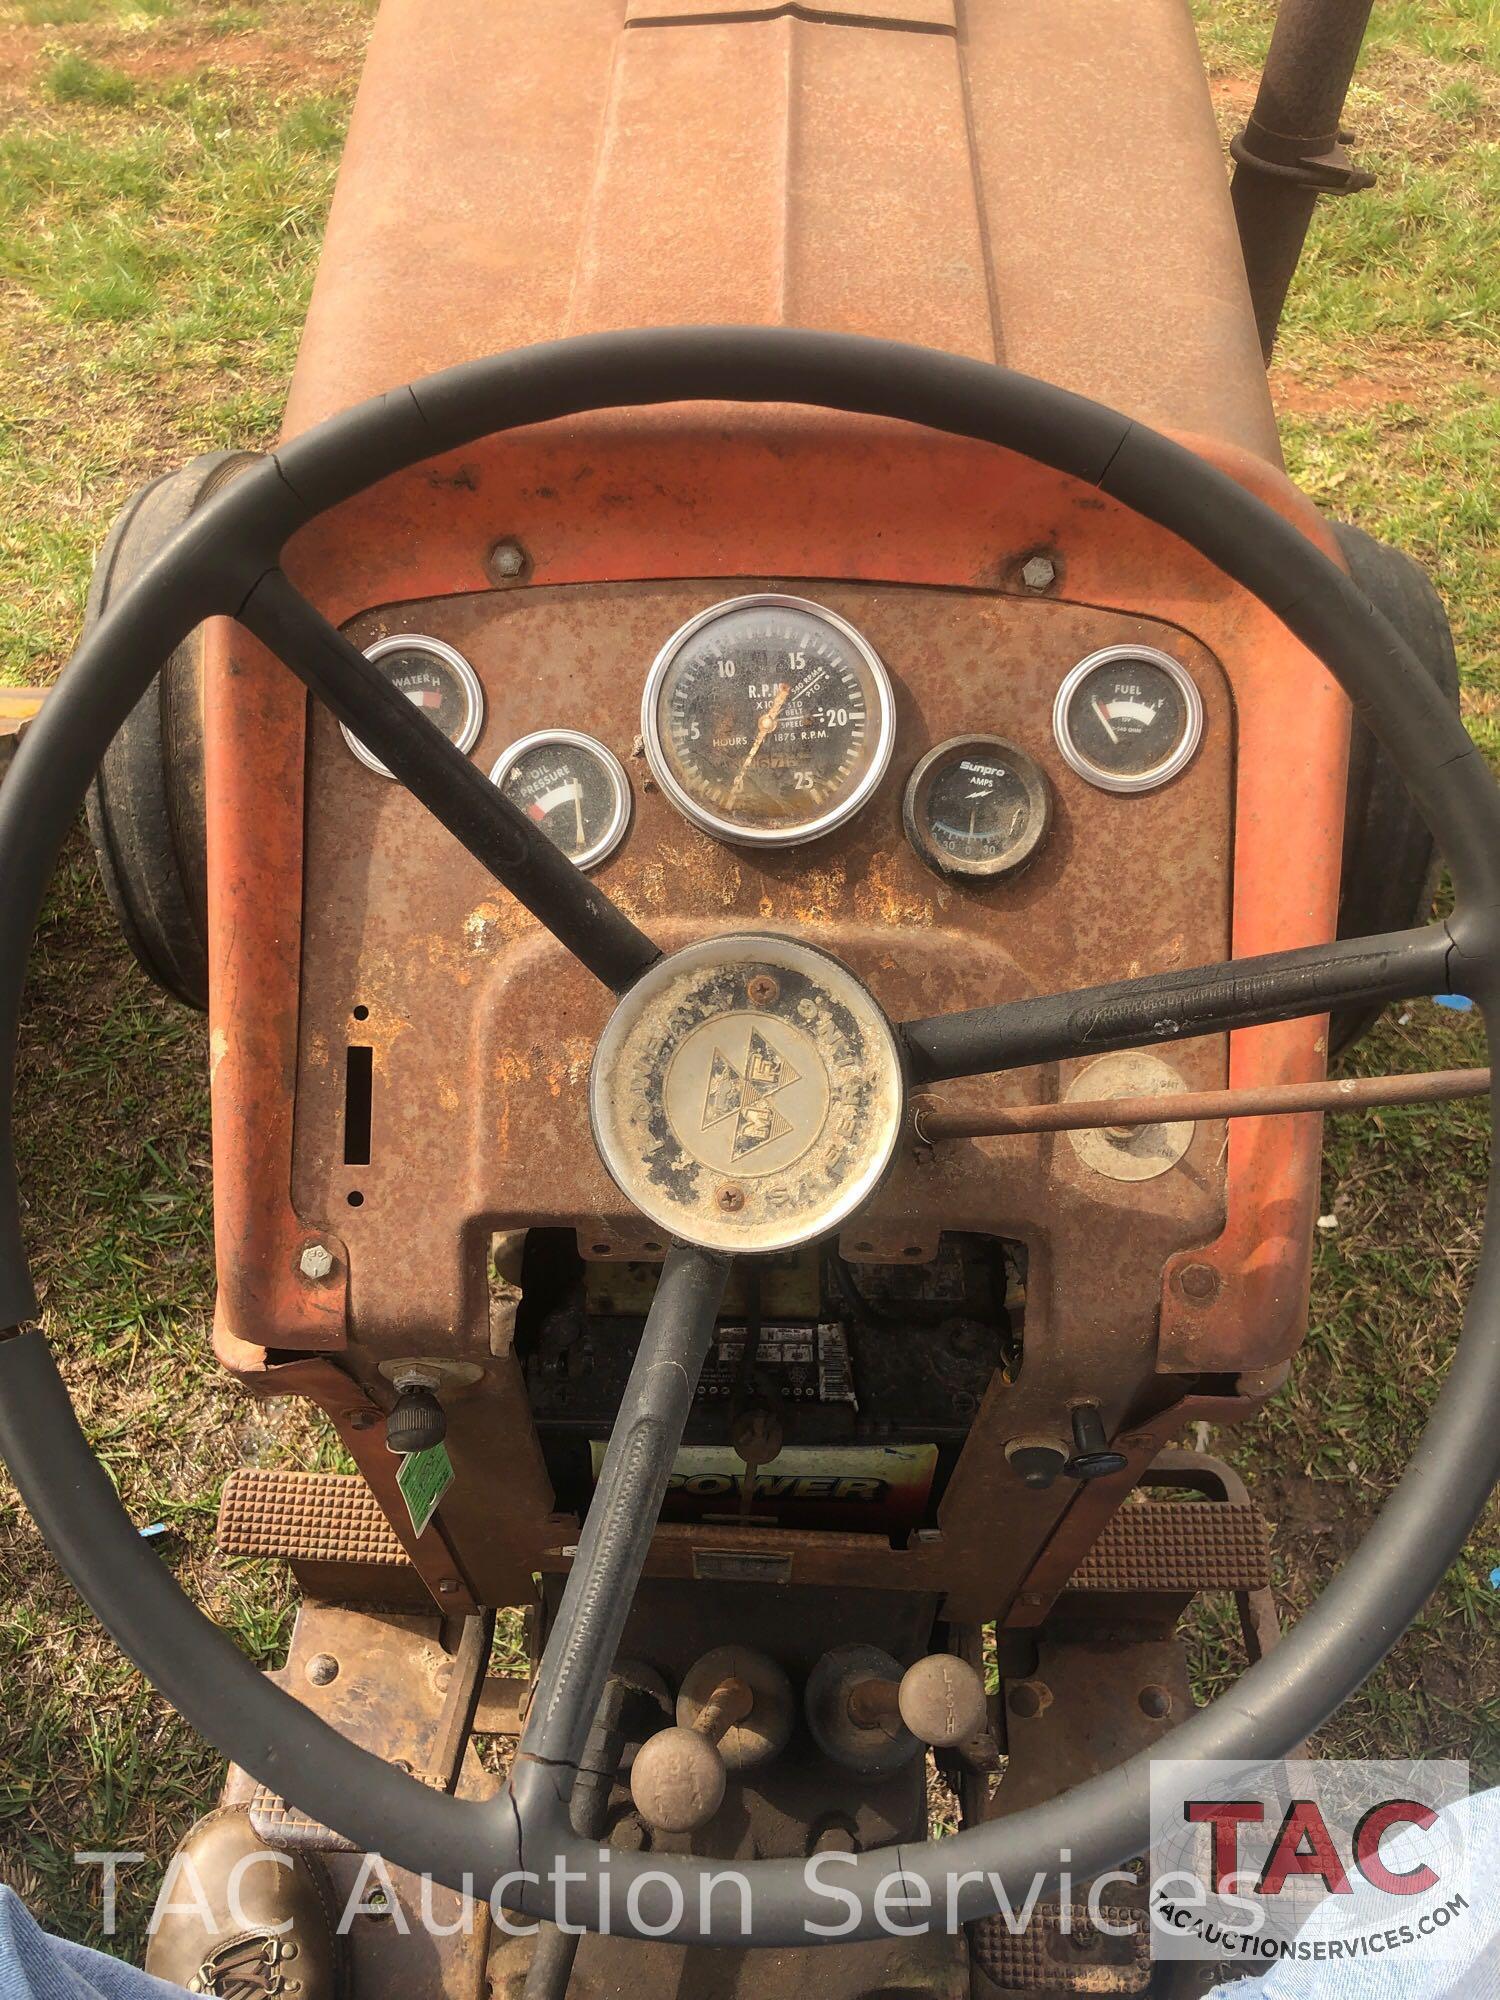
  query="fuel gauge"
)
[
  {"x": 1128, "y": 718},
  {"x": 976, "y": 806},
  {"x": 574, "y": 789}
]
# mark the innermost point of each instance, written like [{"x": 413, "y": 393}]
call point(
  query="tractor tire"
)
[
  {"x": 145, "y": 806},
  {"x": 1391, "y": 864}
]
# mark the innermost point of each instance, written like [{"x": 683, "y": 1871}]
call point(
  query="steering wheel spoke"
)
[
  {"x": 453, "y": 788},
  {"x": 1171, "y": 1006},
  {"x": 648, "y": 1427}
]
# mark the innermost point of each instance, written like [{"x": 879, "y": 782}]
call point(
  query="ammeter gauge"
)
[
  {"x": 767, "y": 720},
  {"x": 572, "y": 787},
  {"x": 433, "y": 677},
  {"x": 976, "y": 806}
]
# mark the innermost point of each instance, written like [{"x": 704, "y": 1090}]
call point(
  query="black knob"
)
[
  {"x": 1093, "y": 1457},
  {"x": 416, "y": 1423},
  {"x": 1037, "y": 1465}
]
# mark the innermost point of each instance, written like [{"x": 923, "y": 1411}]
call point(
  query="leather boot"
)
[{"x": 243, "y": 1928}]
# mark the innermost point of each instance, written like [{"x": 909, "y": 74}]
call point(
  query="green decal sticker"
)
[{"x": 424, "y": 1478}]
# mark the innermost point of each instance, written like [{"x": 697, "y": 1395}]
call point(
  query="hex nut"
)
[
  {"x": 507, "y": 561},
  {"x": 1199, "y": 1282},
  {"x": 1039, "y": 572},
  {"x": 316, "y": 1263}
]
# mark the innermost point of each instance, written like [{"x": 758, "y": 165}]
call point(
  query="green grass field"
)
[{"x": 164, "y": 170}]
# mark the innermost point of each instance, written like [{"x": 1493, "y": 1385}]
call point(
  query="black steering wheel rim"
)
[{"x": 225, "y": 561}]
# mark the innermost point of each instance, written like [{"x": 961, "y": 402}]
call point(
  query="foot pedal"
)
[
  {"x": 1048, "y": 1958},
  {"x": 1176, "y": 1546},
  {"x": 328, "y": 1525}
]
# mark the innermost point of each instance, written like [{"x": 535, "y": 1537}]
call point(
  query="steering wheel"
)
[{"x": 225, "y": 561}]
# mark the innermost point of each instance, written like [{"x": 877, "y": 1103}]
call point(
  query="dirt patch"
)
[
  {"x": 272, "y": 60},
  {"x": 1416, "y": 377},
  {"x": 318, "y": 49},
  {"x": 18, "y": 55},
  {"x": 1235, "y": 92}
]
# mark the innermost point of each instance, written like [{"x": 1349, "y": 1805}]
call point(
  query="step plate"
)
[
  {"x": 1044, "y": 1957},
  {"x": 306, "y": 1517},
  {"x": 1169, "y": 1546},
  {"x": 1179, "y": 1545}
]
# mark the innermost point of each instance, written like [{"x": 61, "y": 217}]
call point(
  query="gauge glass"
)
[
  {"x": 1128, "y": 718},
  {"x": 434, "y": 678},
  {"x": 767, "y": 720},
  {"x": 977, "y": 806},
  {"x": 571, "y": 787}
]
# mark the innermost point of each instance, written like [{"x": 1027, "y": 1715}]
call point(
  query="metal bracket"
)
[{"x": 1330, "y": 171}]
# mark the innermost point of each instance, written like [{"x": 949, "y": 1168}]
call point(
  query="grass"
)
[{"x": 164, "y": 170}]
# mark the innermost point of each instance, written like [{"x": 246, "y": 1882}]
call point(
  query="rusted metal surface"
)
[
  {"x": 930, "y": 14},
  {"x": 402, "y": 1684},
  {"x": 519, "y": 221},
  {"x": 1055, "y": 1953},
  {"x": 480, "y": 1104},
  {"x": 358, "y": 1421},
  {"x": 955, "y": 513},
  {"x": 1002, "y": 192},
  {"x": 1292, "y": 147},
  {"x": 933, "y": 1124}
]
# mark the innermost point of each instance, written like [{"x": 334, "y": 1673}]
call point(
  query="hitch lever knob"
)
[{"x": 734, "y": 1710}]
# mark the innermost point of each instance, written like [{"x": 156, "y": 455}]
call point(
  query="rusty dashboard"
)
[{"x": 463, "y": 1108}]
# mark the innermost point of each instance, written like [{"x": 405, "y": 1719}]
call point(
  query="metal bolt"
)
[
  {"x": 731, "y": 1199},
  {"x": 1026, "y": 1698},
  {"x": 1199, "y": 1282},
  {"x": 362, "y": 1420},
  {"x": 321, "y": 1669},
  {"x": 1155, "y": 1702},
  {"x": 508, "y": 560},
  {"x": 762, "y": 990},
  {"x": 1039, "y": 572},
  {"x": 446, "y": 1587},
  {"x": 316, "y": 1263}
]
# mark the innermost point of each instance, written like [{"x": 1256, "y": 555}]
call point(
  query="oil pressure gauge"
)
[
  {"x": 572, "y": 787},
  {"x": 767, "y": 720},
  {"x": 1128, "y": 718},
  {"x": 433, "y": 677},
  {"x": 976, "y": 806}
]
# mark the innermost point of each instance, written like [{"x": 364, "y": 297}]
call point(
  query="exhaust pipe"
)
[{"x": 1292, "y": 148}]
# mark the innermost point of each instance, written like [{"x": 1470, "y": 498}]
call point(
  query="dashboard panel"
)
[{"x": 476, "y": 1031}]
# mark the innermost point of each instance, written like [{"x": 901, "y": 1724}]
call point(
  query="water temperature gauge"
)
[
  {"x": 976, "y": 806},
  {"x": 1128, "y": 718},
  {"x": 435, "y": 678},
  {"x": 571, "y": 787}
]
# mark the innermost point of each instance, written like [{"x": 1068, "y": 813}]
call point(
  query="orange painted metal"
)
[{"x": 919, "y": 183}]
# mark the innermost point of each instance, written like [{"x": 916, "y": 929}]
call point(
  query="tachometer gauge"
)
[
  {"x": 1128, "y": 718},
  {"x": 976, "y": 806},
  {"x": 434, "y": 678},
  {"x": 573, "y": 788},
  {"x": 767, "y": 720}
]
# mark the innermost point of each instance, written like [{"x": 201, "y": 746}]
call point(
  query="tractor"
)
[{"x": 777, "y": 806}]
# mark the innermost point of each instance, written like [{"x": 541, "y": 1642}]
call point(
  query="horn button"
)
[{"x": 747, "y": 1093}]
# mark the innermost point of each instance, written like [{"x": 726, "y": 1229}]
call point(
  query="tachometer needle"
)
[{"x": 763, "y": 729}]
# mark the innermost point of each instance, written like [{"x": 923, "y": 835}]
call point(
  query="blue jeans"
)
[{"x": 37, "y": 1966}]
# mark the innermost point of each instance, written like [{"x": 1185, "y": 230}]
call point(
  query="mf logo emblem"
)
[{"x": 745, "y": 1095}]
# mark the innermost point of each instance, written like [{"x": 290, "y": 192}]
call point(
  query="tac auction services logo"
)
[{"x": 1308, "y": 1860}]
